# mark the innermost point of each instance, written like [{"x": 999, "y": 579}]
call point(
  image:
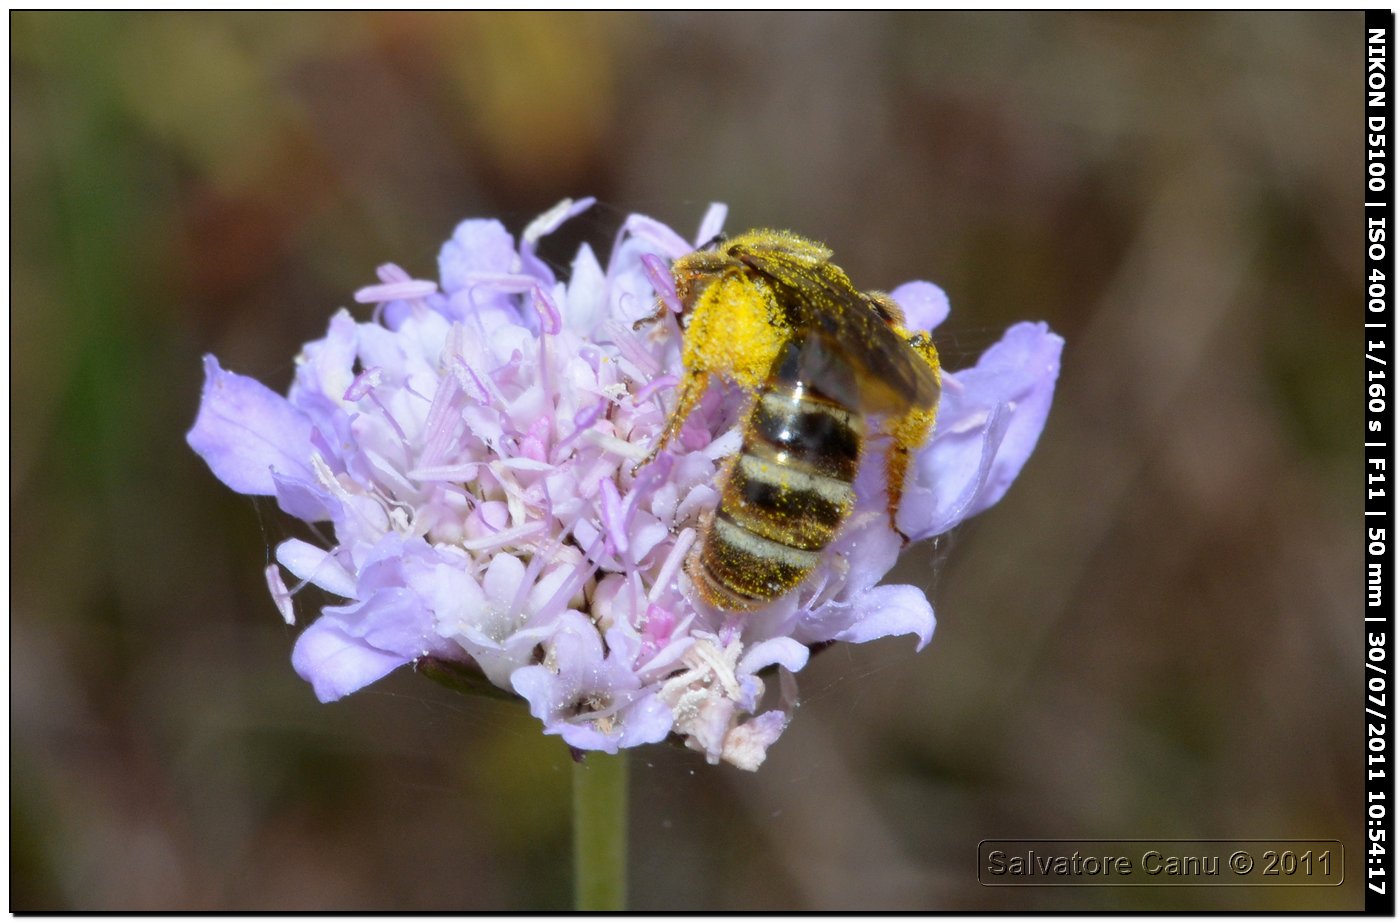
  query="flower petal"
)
[
  {"x": 784, "y": 651},
  {"x": 316, "y": 565},
  {"x": 712, "y": 223},
  {"x": 886, "y": 611},
  {"x": 948, "y": 475},
  {"x": 988, "y": 423},
  {"x": 656, "y": 235},
  {"x": 307, "y": 501},
  {"x": 1024, "y": 367},
  {"x": 336, "y": 663},
  {"x": 746, "y": 746},
  {"x": 245, "y": 432},
  {"x": 869, "y": 548},
  {"x": 925, "y": 304},
  {"x": 586, "y": 301},
  {"x": 502, "y": 579},
  {"x": 326, "y": 366},
  {"x": 477, "y": 246},
  {"x": 647, "y": 720},
  {"x": 391, "y": 620}
]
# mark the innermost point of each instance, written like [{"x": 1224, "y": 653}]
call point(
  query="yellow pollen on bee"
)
[{"x": 768, "y": 295}]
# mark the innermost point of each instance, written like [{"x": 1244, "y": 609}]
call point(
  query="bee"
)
[{"x": 769, "y": 311}]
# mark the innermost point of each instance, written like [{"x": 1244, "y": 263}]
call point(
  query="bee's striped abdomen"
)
[{"x": 784, "y": 497}]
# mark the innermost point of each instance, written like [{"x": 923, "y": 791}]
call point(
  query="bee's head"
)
[{"x": 696, "y": 271}]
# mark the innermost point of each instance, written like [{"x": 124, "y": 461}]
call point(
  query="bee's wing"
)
[{"x": 889, "y": 376}]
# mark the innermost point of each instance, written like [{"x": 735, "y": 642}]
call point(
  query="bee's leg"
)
[
  {"x": 906, "y": 433},
  {"x": 734, "y": 331},
  {"x": 654, "y": 316},
  {"x": 689, "y": 392}
]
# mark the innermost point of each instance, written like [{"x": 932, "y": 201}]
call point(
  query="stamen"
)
[
  {"x": 440, "y": 425},
  {"x": 520, "y": 464},
  {"x": 721, "y": 664},
  {"x": 410, "y": 290},
  {"x": 504, "y": 537},
  {"x": 672, "y": 564},
  {"x": 614, "y": 521},
  {"x": 652, "y": 386},
  {"x": 551, "y": 321},
  {"x": 398, "y": 430},
  {"x": 712, "y": 224},
  {"x": 527, "y": 582},
  {"x": 646, "y": 482},
  {"x": 448, "y": 472},
  {"x": 551, "y": 394},
  {"x": 662, "y": 238},
  {"x": 392, "y": 272},
  {"x": 327, "y": 478},
  {"x": 583, "y": 570},
  {"x": 630, "y": 347},
  {"x": 656, "y": 271},
  {"x": 364, "y": 382},
  {"x": 547, "y": 224},
  {"x": 615, "y": 445},
  {"x": 471, "y": 382},
  {"x": 637, "y": 609},
  {"x": 281, "y": 595},
  {"x": 583, "y": 421}
]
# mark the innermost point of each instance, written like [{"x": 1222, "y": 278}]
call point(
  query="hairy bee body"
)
[
  {"x": 785, "y": 494},
  {"x": 768, "y": 310}
]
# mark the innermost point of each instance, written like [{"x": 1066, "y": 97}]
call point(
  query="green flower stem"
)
[{"x": 600, "y": 832}]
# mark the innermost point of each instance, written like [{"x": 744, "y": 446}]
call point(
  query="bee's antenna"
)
[{"x": 715, "y": 241}]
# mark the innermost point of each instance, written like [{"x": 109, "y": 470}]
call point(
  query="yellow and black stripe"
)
[{"x": 783, "y": 498}]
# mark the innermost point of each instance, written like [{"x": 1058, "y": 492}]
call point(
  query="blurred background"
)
[{"x": 1157, "y": 634}]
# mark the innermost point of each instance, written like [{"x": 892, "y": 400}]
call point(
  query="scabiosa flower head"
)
[{"x": 472, "y": 445}]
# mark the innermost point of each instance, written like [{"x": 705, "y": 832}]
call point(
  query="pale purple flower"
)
[{"x": 472, "y": 446}]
